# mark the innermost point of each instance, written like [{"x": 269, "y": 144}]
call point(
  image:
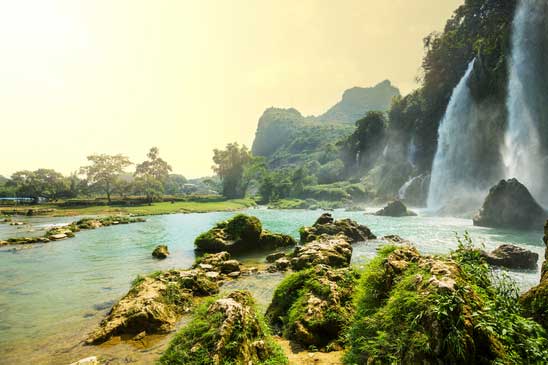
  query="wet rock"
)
[
  {"x": 512, "y": 257},
  {"x": 154, "y": 304},
  {"x": 274, "y": 256},
  {"x": 510, "y": 205},
  {"x": 229, "y": 330},
  {"x": 313, "y": 306},
  {"x": 220, "y": 262},
  {"x": 334, "y": 251},
  {"x": 241, "y": 233},
  {"x": 160, "y": 252},
  {"x": 230, "y": 266},
  {"x": 395, "y": 209},
  {"x": 535, "y": 300},
  {"x": 92, "y": 360},
  {"x": 326, "y": 225}
]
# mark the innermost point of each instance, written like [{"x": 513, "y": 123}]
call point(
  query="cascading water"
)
[
  {"x": 455, "y": 169},
  {"x": 521, "y": 151}
]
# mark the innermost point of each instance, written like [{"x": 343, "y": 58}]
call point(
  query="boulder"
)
[
  {"x": 241, "y": 233},
  {"x": 226, "y": 331},
  {"x": 312, "y": 307},
  {"x": 160, "y": 252},
  {"x": 510, "y": 205},
  {"x": 333, "y": 251},
  {"x": 414, "y": 309},
  {"x": 220, "y": 262},
  {"x": 395, "y": 209},
  {"x": 535, "y": 300},
  {"x": 153, "y": 304},
  {"x": 326, "y": 225},
  {"x": 512, "y": 257},
  {"x": 275, "y": 256}
]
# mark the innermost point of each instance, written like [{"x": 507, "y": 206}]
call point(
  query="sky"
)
[{"x": 121, "y": 76}]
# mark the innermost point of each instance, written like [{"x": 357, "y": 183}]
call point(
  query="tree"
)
[
  {"x": 150, "y": 175},
  {"x": 104, "y": 170},
  {"x": 45, "y": 183},
  {"x": 175, "y": 184},
  {"x": 230, "y": 165}
]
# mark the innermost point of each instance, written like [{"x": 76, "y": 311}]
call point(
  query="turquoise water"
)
[{"x": 60, "y": 290}]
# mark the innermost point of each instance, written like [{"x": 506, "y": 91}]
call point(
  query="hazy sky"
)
[{"x": 120, "y": 76}]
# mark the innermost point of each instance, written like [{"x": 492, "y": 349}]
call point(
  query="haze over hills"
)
[{"x": 286, "y": 137}]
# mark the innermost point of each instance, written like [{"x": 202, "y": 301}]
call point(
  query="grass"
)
[
  {"x": 400, "y": 319},
  {"x": 154, "y": 209},
  {"x": 196, "y": 344}
]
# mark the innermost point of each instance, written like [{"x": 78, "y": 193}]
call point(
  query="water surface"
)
[{"x": 52, "y": 294}]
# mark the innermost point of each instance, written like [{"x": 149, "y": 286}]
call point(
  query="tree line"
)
[{"x": 104, "y": 175}]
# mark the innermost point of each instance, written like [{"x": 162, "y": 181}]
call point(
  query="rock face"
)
[
  {"x": 512, "y": 257},
  {"x": 326, "y": 225},
  {"x": 414, "y": 309},
  {"x": 160, "y": 252},
  {"x": 535, "y": 301},
  {"x": 312, "y": 307},
  {"x": 241, "y": 233},
  {"x": 154, "y": 304},
  {"x": 333, "y": 251},
  {"x": 510, "y": 205},
  {"x": 226, "y": 331},
  {"x": 395, "y": 209}
]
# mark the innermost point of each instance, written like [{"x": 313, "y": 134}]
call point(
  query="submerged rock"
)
[
  {"x": 326, "y": 225},
  {"x": 160, "y": 252},
  {"x": 154, "y": 304},
  {"x": 512, "y": 257},
  {"x": 240, "y": 234},
  {"x": 510, "y": 205},
  {"x": 225, "y": 331},
  {"x": 395, "y": 209},
  {"x": 333, "y": 251},
  {"x": 535, "y": 300},
  {"x": 314, "y": 306}
]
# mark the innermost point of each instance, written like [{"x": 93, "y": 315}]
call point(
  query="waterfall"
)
[
  {"x": 455, "y": 166},
  {"x": 404, "y": 187},
  {"x": 521, "y": 150},
  {"x": 412, "y": 152}
]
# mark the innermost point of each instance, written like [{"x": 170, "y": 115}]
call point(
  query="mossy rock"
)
[
  {"x": 225, "y": 331},
  {"x": 314, "y": 306},
  {"x": 326, "y": 225},
  {"x": 535, "y": 300},
  {"x": 154, "y": 304},
  {"x": 395, "y": 208},
  {"x": 414, "y": 309},
  {"x": 241, "y": 233}
]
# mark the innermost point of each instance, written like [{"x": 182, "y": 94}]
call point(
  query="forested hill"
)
[
  {"x": 286, "y": 138},
  {"x": 357, "y": 101}
]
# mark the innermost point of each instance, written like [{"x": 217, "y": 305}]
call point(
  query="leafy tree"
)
[
  {"x": 175, "y": 184},
  {"x": 362, "y": 148},
  {"x": 230, "y": 165},
  {"x": 150, "y": 175},
  {"x": 39, "y": 183},
  {"x": 104, "y": 170}
]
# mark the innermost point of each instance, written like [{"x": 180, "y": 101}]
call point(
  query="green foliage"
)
[
  {"x": 399, "y": 319},
  {"x": 104, "y": 171},
  {"x": 230, "y": 165},
  {"x": 150, "y": 175},
  {"x": 196, "y": 343},
  {"x": 362, "y": 148},
  {"x": 331, "y": 289},
  {"x": 39, "y": 183}
]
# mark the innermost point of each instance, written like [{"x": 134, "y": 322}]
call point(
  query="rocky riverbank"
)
[
  {"x": 69, "y": 230},
  {"x": 402, "y": 307}
]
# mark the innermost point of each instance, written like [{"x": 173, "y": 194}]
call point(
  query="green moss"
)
[
  {"x": 197, "y": 343},
  {"x": 402, "y": 318},
  {"x": 314, "y": 306}
]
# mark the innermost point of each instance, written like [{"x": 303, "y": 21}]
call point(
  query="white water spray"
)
[
  {"x": 521, "y": 151},
  {"x": 454, "y": 170}
]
